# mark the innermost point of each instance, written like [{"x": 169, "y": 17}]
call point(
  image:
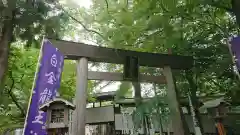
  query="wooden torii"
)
[{"x": 83, "y": 53}]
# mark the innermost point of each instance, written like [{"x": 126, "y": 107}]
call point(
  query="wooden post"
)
[
  {"x": 80, "y": 98},
  {"x": 174, "y": 106}
]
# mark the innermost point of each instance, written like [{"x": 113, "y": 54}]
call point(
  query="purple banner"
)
[
  {"x": 46, "y": 86},
  {"x": 235, "y": 47}
]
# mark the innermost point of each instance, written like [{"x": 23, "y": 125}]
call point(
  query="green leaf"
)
[{"x": 123, "y": 89}]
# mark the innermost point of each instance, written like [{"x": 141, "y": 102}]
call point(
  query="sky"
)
[
  {"x": 77, "y": 3},
  {"x": 84, "y": 3}
]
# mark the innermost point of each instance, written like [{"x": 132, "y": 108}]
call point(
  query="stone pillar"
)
[
  {"x": 79, "y": 115},
  {"x": 173, "y": 103}
]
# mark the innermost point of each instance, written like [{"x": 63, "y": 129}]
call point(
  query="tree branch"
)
[
  {"x": 127, "y": 3},
  {"x": 97, "y": 83},
  {"x": 218, "y": 85},
  {"x": 188, "y": 17},
  {"x": 109, "y": 83},
  {"x": 143, "y": 37},
  {"x": 81, "y": 23},
  {"x": 216, "y": 5},
  {"x": 14, "y": 99},
  {"x": 163, "y": 7},
  {"x": 107, "y": 4}
]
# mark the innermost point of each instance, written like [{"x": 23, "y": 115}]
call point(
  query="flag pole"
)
[{"x": 34, "y": 83}]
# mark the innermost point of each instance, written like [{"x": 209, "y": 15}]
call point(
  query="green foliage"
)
[
  {"x": 123, "y": 89},
  {"x": 33, "y": 19},
  {"x": 19, "y": 81},
  {"x": 18, "y": 85},
  {"x": 198, "y": 28},
  {"x": 68, "y": 82},
  {"x": 152, "y": 108}
]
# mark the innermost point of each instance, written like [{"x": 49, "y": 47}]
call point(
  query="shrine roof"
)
[
  {"x": 104, "y": 96},
  {"x": 214, "y": 103},
  {"x": 59, "y": 101}
]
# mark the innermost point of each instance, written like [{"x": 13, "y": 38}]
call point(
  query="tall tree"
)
[{"x": 26, "y": 20}]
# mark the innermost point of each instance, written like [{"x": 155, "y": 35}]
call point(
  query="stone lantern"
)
[{"x": 58, "y": 111}]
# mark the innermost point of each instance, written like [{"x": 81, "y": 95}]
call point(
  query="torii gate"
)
[{"x": 131, "y": 60}]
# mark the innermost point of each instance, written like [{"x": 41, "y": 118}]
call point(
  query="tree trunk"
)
[
  {"x": 5, "y": 41},
  {"x": 195, "y": 103}
]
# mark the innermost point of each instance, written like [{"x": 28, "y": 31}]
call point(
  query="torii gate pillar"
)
[
  {"x": 174, "y": 106},
  {"x": 80, "y": 98}
]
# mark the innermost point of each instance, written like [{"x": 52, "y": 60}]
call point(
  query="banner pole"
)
[{"x": 34, "y": 83}]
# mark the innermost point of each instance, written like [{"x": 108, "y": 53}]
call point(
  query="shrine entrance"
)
[{"x": 131, "y": 60}]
